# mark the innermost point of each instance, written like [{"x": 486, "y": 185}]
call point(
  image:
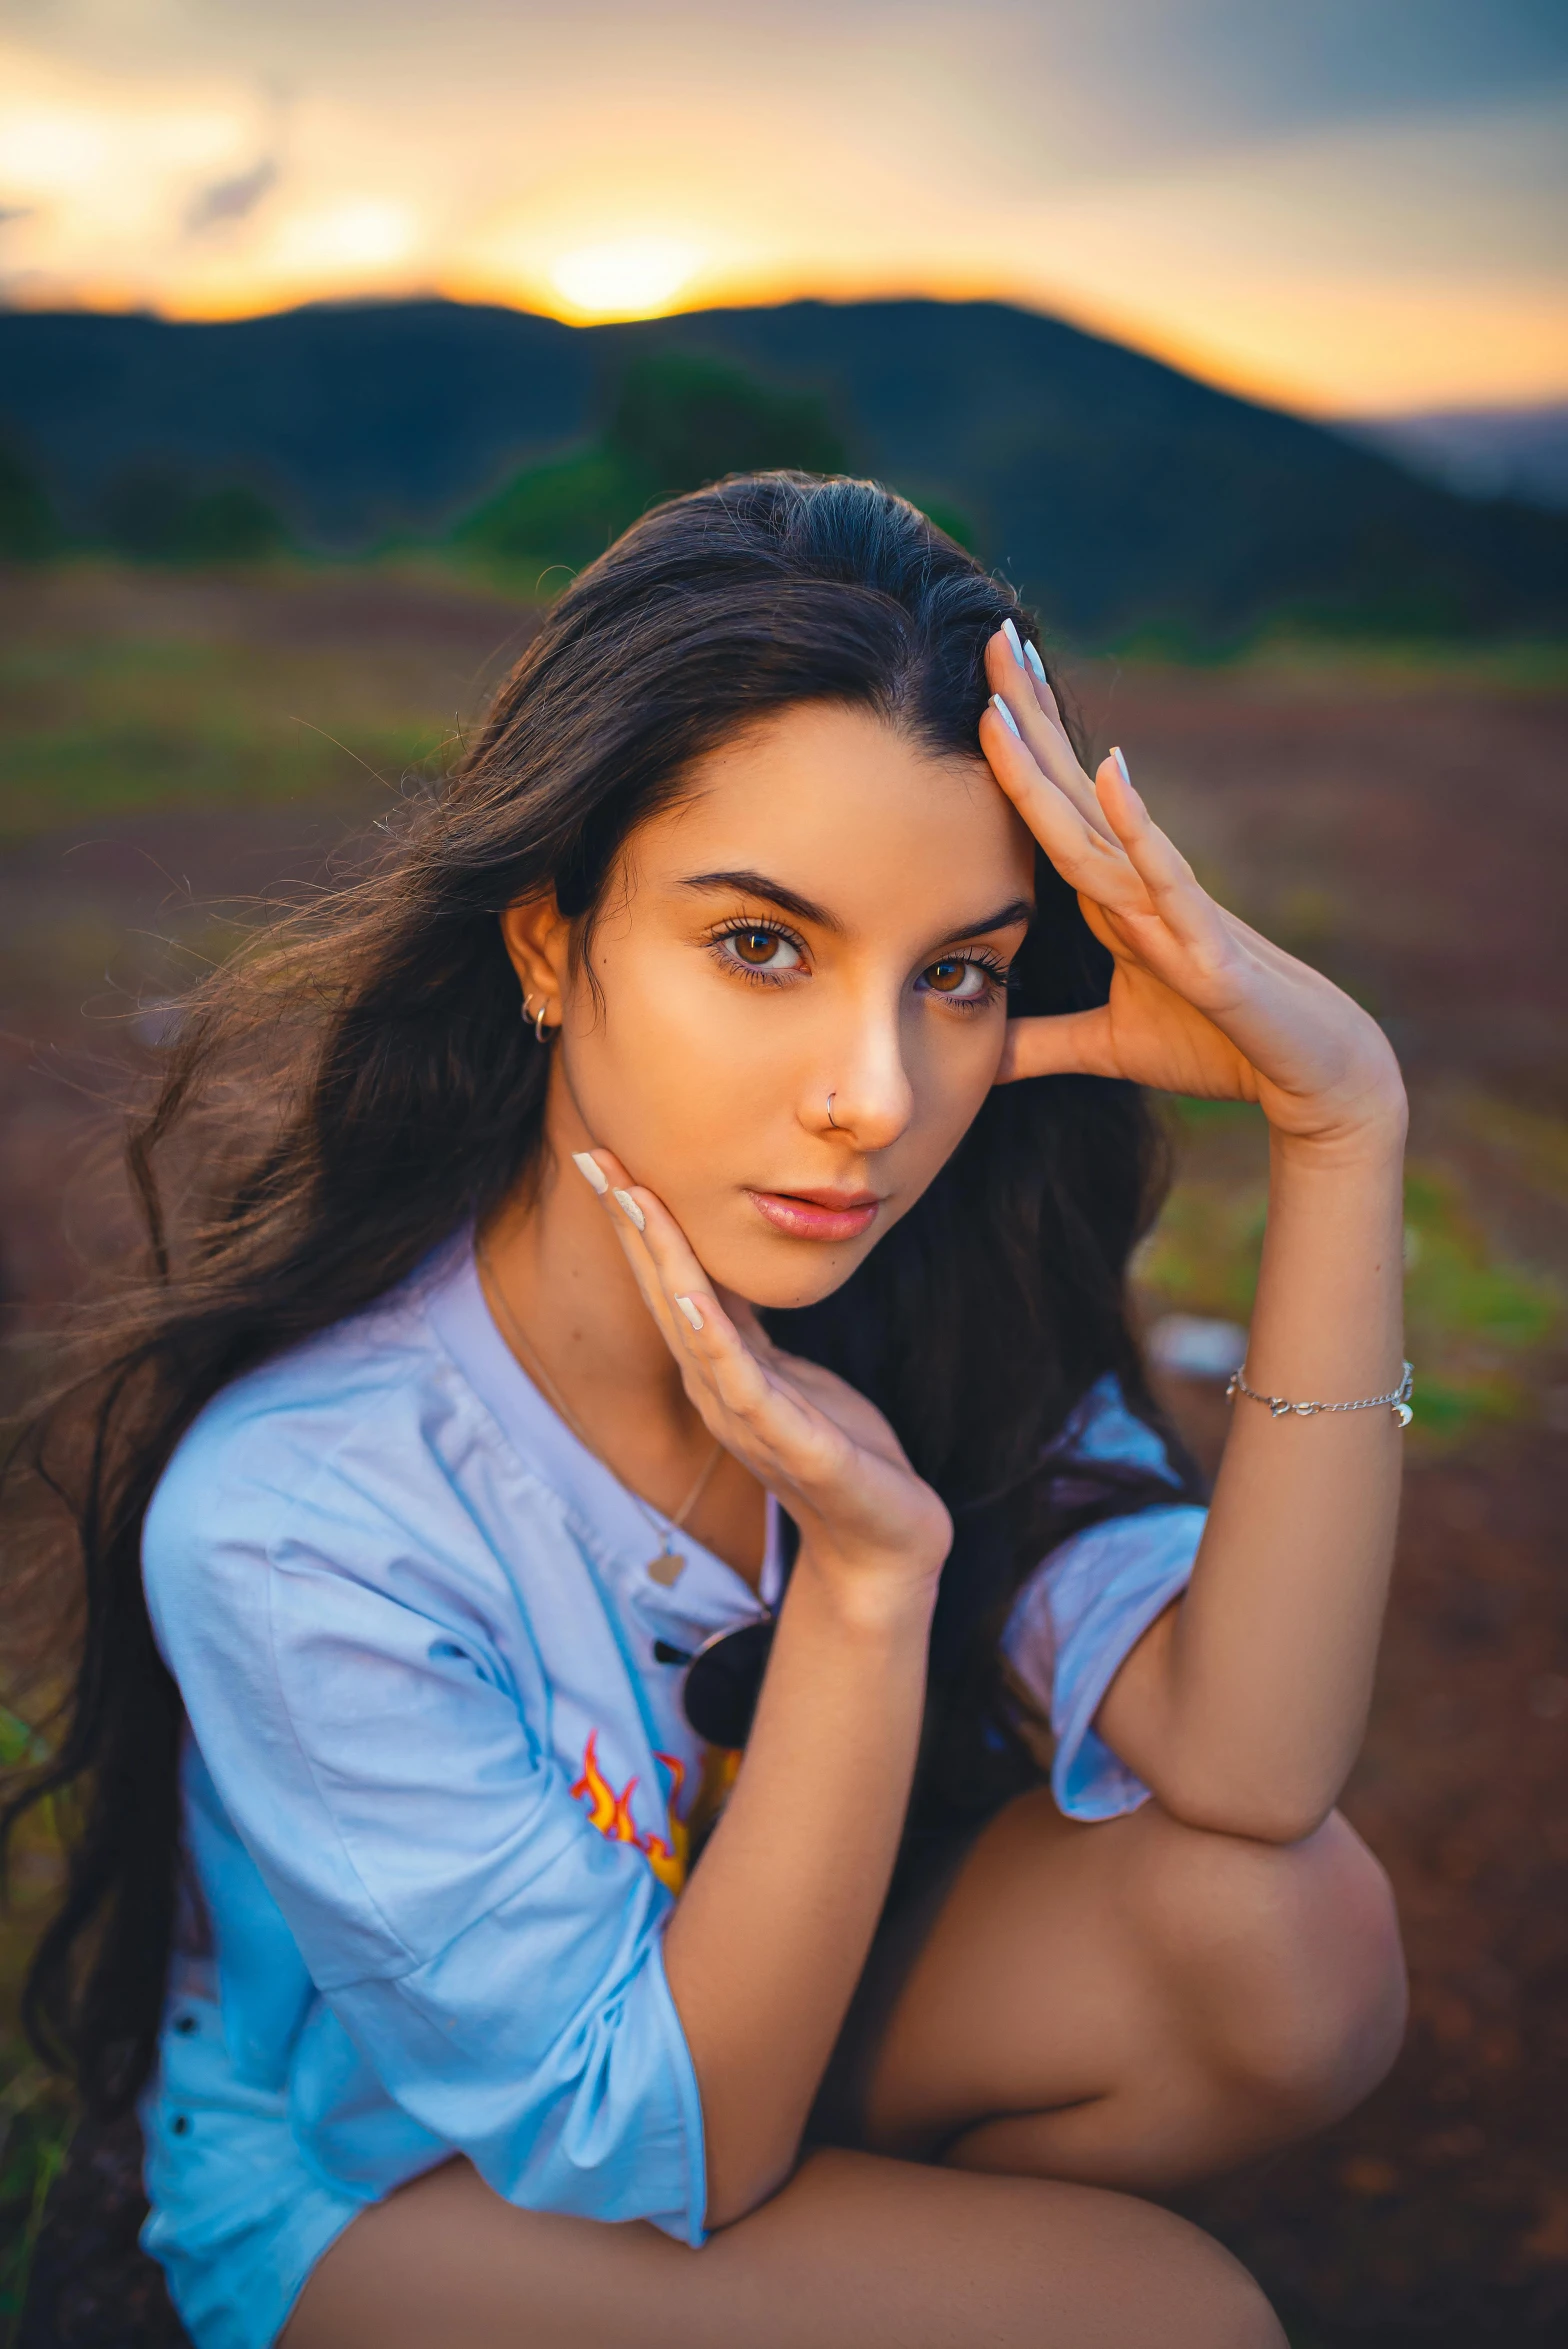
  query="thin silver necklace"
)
[{"x": 669, "y": 1564}]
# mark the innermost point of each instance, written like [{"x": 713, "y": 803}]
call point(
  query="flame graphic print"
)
[{"x": 611, "y": 1813}]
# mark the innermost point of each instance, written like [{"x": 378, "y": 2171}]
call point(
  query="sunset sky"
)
[{"x": 1353, "y": 206}]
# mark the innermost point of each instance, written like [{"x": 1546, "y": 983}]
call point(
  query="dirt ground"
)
[
  {"x": 1438, "y": 2214},
  {"x": 1406, "y": 831}
]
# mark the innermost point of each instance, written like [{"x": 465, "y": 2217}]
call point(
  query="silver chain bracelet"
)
[{"x": 1280, "y": 1405}]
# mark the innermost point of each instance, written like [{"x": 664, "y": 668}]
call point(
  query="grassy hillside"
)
[{"x": 1132, "y": 501}]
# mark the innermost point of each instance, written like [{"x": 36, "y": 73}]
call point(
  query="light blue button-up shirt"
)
[{"x": 436, "y": 1782}]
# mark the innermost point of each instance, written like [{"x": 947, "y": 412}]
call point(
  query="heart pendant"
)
[{"x": 666, "y": 1568}]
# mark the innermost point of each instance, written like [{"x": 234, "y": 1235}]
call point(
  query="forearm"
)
[
  {"x": 1247, "y": 1709},
  {"x": 769, "y": 1939}
]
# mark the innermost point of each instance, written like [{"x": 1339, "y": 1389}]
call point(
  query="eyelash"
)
[
  {"x": 996, "y": 971},
  {"x": 753, "y": 927},
  {"x": 996, "y": 975}
]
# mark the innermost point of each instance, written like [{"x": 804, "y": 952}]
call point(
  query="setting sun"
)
[
  {"x": 633, "y": 277},
  {"x": 1385, "y": 255}
]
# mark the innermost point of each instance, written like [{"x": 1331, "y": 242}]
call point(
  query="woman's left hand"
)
[{"x": 1199, "y": 1003}]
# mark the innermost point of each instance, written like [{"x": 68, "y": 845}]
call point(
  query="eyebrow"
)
[
  {"x": 805, "y": 909},
  {"x": 1017, "y": 909}
]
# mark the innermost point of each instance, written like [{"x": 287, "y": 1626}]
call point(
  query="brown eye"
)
[
  {"x": 960, "y": 980},
  {"x": 759, "y": 949}
]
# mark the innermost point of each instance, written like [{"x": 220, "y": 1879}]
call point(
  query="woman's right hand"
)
[
  {"x": 866, "y": 1520},
  {"x": 763, "y": 1949}
]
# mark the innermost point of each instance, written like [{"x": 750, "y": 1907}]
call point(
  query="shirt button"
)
[
  {"x": 186, "y": 2025},
  {"x": 180, "y": 2125}
]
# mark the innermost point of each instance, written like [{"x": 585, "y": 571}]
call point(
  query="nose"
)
[{"x": 866, "y": 1094}]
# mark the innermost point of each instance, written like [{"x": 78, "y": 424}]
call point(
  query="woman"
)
[{"x": 764, "y": 1277}]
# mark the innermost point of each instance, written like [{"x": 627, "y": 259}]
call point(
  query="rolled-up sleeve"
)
[
  {"x": 1072, "y": 1627},
  {"x": 497, "y": 1962}
]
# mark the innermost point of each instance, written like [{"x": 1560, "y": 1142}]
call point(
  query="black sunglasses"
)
[{"x": 724, "y": 1676}]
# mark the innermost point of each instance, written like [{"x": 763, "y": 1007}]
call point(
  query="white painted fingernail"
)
[
  {"x": 1031, "y": 655},
  {"x": 1011, "y": 634},
  {"x": 690, "y": 1311},
  {"x": 591, "y": 1171},
  {"x": 1006, "y": 715},
  {"x": 1121, "y": 766},
  {"x": 630, "y": 1209}
]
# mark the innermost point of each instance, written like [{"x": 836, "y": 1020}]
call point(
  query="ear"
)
[{"x": 537, "y": 938}]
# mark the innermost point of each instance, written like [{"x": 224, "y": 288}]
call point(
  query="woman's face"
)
[{"x": 801, "y": 1006}]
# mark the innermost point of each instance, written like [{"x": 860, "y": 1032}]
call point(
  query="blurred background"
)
[{"x": 334, "y": 338}]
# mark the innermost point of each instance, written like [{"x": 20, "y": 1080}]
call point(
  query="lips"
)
[{"x": 818, "y": 1215}]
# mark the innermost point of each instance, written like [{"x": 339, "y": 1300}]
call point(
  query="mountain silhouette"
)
[{"x": 1120, "y": 494}]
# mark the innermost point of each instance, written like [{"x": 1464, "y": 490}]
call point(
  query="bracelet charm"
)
[{"x": 1280, "y": 1406}]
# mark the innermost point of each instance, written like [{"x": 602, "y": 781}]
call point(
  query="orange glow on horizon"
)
[
  {"x": 1542, "y": 343},
  {"x": 1347, "y": 269}
]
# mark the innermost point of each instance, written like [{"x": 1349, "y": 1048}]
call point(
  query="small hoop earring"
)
[
  {"x": 832, "y": 1120},
  {"x": 541, "y": 1032}
]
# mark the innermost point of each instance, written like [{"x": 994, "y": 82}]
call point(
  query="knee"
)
[
  {"x": 1203, "y": 2298},
  {"x": 1241, "y": 2318},
  {"x": 1286, "y": 1961},
  {"x": 1207, "y": 2299}
]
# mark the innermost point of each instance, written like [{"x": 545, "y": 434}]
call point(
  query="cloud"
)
[
  {"x": 231, "y": 199},
  {"x": 1176, "y": 74},
  {"x": 1349, "y": 205},
  {"x": 1228, "y": 68},
  {"x": 1351, "y": 269}
]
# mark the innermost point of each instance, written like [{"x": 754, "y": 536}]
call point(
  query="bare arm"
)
[
  {"x": 1243, "y": 1707},
  {"x": 769, "y": 1938}
]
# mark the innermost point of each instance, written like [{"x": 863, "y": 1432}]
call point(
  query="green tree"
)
[
  {"x": 677, "y": 422},
  {"x": 565, "y": 512},
  {"x": 155, "y": 514},
  {"x": 681, "y": 421},
  {"x": 29, "y": 528}
]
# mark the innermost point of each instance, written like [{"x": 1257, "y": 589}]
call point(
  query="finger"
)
[
  {"x": 1174, "y": 889},
  {"x": 1167, "y": 874},
  {"x": 1069, "y": 1043},
  {"x": 744, "y": 1316},
  {"x": 1088, "y": 859},
  {"x": 674, "y": 1286},
  {"x": 704, "y": 1330},
  {"x": 1027, "y": 654},
  {"x": 745, "y": 1395},
  {"x": 734, "y": 1374},
  {"x": 747, "y": 1408},
  {"x": 1028, "y": 695},
  {"x": 1023, "y": 670},
  {"x": 1129, "y": 818},
  {"x": 604, "y": 1173},
  {"x": 680, "y": 1299},
  {"x": 661, "y": 1244},
  {"x": 1193, "y": 943},
  {"x": 1040, "y": 725}
]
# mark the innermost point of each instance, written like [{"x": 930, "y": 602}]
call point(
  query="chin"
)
[{"x": 783, "y": 1274}]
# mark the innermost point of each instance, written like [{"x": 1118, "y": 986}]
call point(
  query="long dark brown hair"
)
[{"x": 356, "y": 1084}]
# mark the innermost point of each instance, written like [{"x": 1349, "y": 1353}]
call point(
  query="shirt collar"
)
[{"x": 454, "y": 1305}]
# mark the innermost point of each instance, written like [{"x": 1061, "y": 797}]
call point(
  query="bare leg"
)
[
  {"x": 854, "y": 2253},
  {"x": 1131, "y": 2005},
  {"x": 1138, "y": 2004}
]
